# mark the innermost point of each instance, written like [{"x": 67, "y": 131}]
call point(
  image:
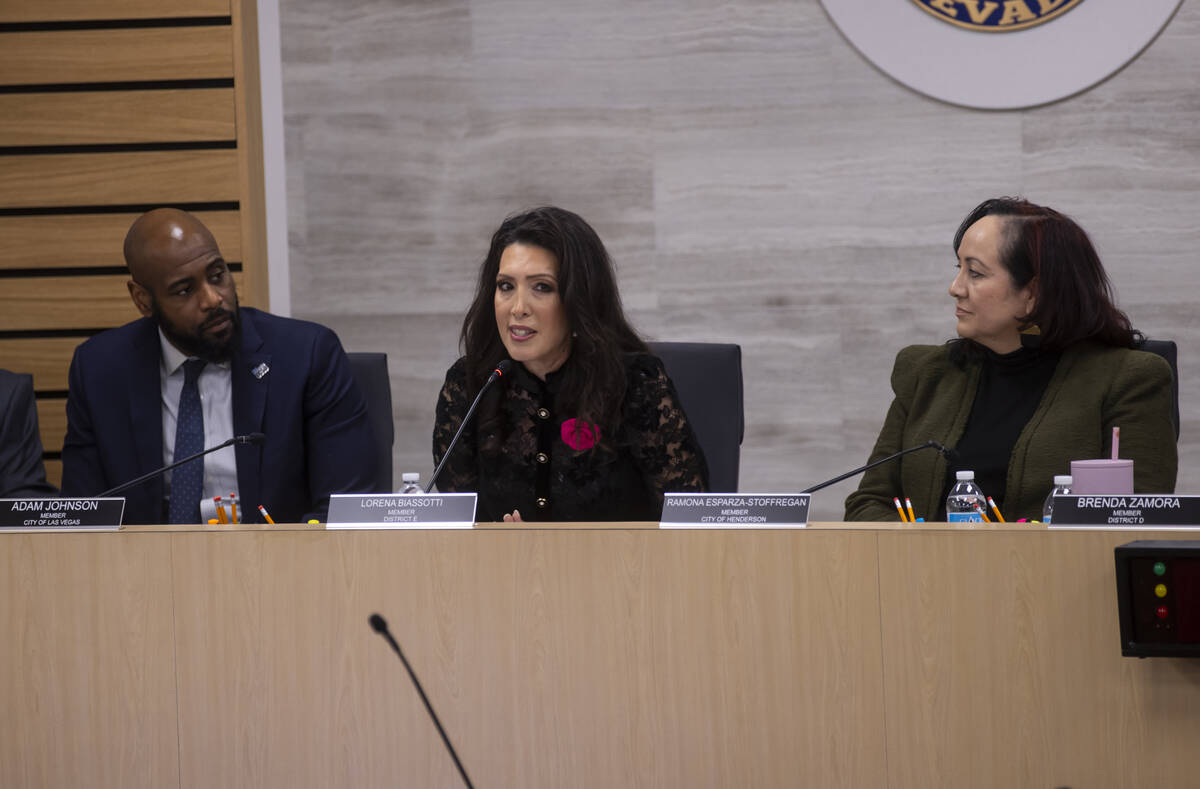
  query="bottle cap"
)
[
  {"x": 1063, "y": 479},
  {"x": 410, "y": 476},
  {"x": 964, "y": 475}
]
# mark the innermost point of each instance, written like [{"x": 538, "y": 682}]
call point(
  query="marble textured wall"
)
[{"x": 756, "y": 180}]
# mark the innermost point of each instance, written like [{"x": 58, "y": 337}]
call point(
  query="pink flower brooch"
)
[{"x": 580, "y": 435}]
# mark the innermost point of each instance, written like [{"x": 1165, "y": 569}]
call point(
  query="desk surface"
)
[{"x": 587, "y": 655}]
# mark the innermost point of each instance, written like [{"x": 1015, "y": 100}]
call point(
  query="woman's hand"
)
[{"x": 514, "y": 518}]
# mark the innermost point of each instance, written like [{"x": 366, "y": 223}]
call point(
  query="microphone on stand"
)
[
  {"x": 502, "y": 369},
  {"x": 946, "y": 451},
  {"x": 380, "y": 626},
  {"x": 249, "y": 438}
]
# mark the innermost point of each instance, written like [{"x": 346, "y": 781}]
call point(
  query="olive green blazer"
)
[{"x": 1094, "y": 388}]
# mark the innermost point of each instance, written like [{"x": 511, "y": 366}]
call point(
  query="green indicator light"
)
[{"x": 1160, "y": 568}]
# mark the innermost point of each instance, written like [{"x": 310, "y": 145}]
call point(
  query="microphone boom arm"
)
[
  {"x": 250, "y": 438},
  {"x": 380, "y": 626},
  {"x": 927, "y": 445},
  {"x": 501, "y": 369}
]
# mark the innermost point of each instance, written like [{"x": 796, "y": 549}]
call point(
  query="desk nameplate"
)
[
  {"x": 1126, "y": 511},
  {"x": 734, "y": 511},
  {"x": 61, "y": 514},
  {"x": 402, "y": 511}
]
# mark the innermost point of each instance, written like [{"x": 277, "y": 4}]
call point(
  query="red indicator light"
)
[{"x": 1161, "y": 612}]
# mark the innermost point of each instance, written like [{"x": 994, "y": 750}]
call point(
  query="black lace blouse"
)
[{"x": 550, "y": 466}]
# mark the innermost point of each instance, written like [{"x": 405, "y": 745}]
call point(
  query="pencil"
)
[
  {"x": 233, "y": 508},
  {"x": 996, "y": 510},
  {"x": 266, "y": 514},
  {"x": 982, "y": 514},
  {"x": 221, "y": 516},
  {"x": 1116, "y": 441},
  {"x": 899, "y": 509},
  {"x": 912, "y": 516}
]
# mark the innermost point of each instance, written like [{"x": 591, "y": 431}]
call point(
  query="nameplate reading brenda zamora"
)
[
  {"x": 734, "y": 511},
  {"x": 402, "y": 511},
  {"x": 61, "y": 514},
  {"x": 1128, "y": 511}
]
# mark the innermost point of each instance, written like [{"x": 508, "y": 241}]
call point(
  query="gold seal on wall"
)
[{"x": 996, "y": 16}]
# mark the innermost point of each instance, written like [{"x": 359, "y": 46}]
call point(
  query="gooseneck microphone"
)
[
  {"x": 379, "y": 625},
  {"x": 502, "y": 368},
  {"x": 946, "y": 451},
  {"x": 249, "y": 438}
]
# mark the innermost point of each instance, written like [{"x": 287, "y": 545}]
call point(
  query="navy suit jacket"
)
[
  {"x": 318, "y": 440},
  {"x": 21, "y": 471}
]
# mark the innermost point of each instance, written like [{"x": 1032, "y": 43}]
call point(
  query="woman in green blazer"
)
[{"x": 1043, "y": 368}]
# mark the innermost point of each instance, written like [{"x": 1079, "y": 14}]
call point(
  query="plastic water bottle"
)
[
  {"x": 410, "y": 482},
  {"x": 965, "y": 501},
  {"x": 1062, "y": 487}
]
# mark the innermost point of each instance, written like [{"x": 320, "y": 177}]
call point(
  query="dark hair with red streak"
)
[{"x": 1074, "y": 299}]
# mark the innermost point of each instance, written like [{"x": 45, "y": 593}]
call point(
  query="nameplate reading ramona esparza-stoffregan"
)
[
  {"x": 402, "y": 511},
  {"x": 61, "y": 514},
  {"x": 1126, "y": 511},
  {"x": 734, "y": 511}
]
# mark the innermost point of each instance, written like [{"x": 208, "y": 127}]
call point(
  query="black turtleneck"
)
[{"x": 1011, "y": 386}]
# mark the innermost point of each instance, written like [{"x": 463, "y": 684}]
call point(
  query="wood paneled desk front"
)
[{"x": 610, "y": 656}]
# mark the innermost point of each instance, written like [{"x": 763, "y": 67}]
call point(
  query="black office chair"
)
[
  {"x": 1168, "y": 350},
  {"x": 708, "y": 377},
  {"x": 371, "y": 373}
]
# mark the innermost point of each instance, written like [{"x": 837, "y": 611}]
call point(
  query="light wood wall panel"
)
[
  {"x": 147, "y": 177},
  {"x": 86, "y": 10},
  {"x": 53, "y": 468},
  {"x": 32, "y": 303},
  {"x": 91, "y": 240},
  {"x": 52, "y": 422},
  {"x": 117, "y": 117},
  {"x": 91, "y": 302},
  {"x": 115, "y": 55},
  {"x": 45, "y": 358},
  {"x": 250, "y": 152}
]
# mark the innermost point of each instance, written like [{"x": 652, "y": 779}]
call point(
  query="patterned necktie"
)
[{"x": 187, "y": 481}]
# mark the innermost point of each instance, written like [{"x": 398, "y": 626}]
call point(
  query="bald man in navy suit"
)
[{"x": 288, "y": 379}]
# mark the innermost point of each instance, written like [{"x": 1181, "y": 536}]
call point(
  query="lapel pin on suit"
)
[{"x": 260, "y": 371}]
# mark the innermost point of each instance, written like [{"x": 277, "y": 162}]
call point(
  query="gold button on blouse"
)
[
  {"x": 542, "y": 457},
  {"x": 543, "y": 413},
  {"x": 541, "y": 502}
]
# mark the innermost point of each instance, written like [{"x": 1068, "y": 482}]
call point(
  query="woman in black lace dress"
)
[{"x": 588, "y": 427}]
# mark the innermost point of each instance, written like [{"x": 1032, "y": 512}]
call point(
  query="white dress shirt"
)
[{"x": 216, "y": 402}]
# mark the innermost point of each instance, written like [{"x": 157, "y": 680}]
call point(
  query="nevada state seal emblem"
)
[{"x": 997, "y": 16}]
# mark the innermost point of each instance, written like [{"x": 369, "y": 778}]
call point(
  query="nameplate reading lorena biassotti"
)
[
  {"x": 734, "y": 511},
  {"x": 402, "y": 511},
  {"x": 1126, "y": 511},
  {"x": 61, "y": 514}
]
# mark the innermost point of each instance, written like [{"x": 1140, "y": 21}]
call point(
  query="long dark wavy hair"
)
[
  {"x": 1074, "y": 298},
  {"x": 594, "y": 374}
]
